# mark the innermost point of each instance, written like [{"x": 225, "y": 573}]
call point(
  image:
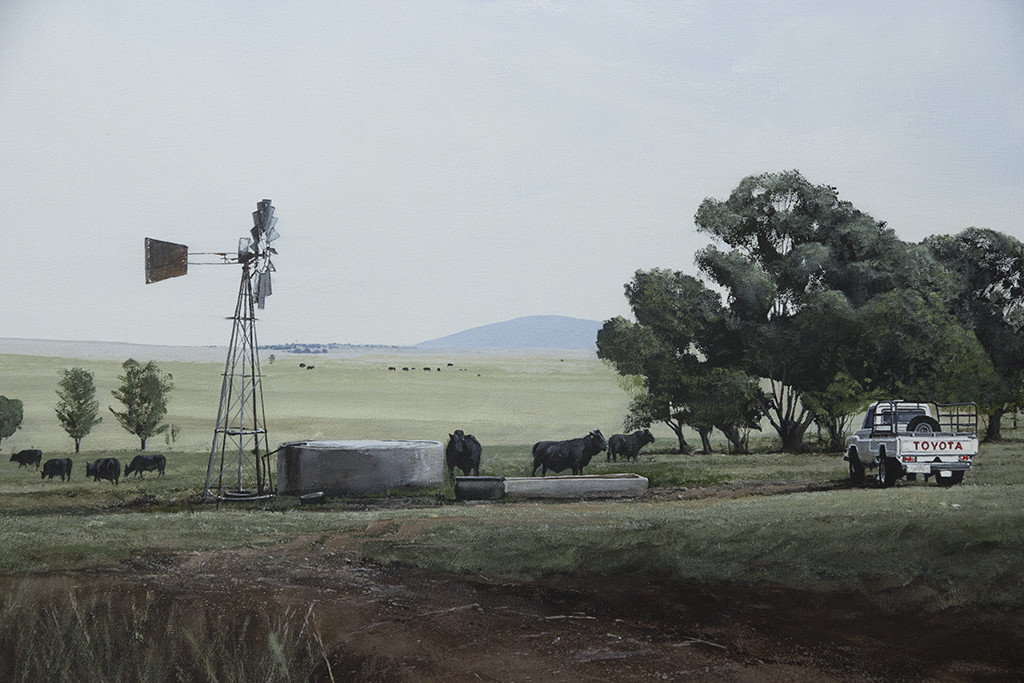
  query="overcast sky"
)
[{"x": 441, "y": 165}]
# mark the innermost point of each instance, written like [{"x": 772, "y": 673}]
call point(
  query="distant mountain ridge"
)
[{"x": 530, "y": 332}]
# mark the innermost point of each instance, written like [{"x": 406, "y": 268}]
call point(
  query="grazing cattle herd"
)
[{"x": 103, "y": 468}]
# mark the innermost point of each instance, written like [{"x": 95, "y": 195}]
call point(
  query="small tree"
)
[
  {"x": 836, "y": 406},
  {"x": 78, "y": 408},
  {"x": 11, "y": 414},
  {"x": 143, "y": 391}
]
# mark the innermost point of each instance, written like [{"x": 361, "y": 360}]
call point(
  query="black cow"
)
[
  {"x": 28, "y": 457},
  {"x": 628, "y": 445},
  {"x": 574, "y": 453},
  {"x": 463, "y": 451},
  {"x": 146, "y": 463},
  {"x": 57, "y": 466},
  {"x": 104, "y": 468}
]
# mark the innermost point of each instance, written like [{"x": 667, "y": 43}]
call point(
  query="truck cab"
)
[{"x": 910, "y": 438}]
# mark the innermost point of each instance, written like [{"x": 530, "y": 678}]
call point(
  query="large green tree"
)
[
  {"x": 985, "y": 272},
  {"x": 12, "y": 412},
  {"x": 144, "y": 393},
  {"x": 802, "y": 270},
  {"x": 679, "y": 336},
  {"x": 77, "y": 409}
]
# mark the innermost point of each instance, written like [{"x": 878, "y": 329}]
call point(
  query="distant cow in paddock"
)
[
  {"x": 57, "y": 467},
  {"x": 146, "y": 463},
  {"x": 463, "y": 451},
  {"x": 27, "y": 457},
  {"x": 573, "y": 454},
  {"x": 104, "y": 468},
  {"x": 628, "y": 445}
]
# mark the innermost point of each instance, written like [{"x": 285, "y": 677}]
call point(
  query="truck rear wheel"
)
[
  {"x": 887, "y": 468},
  {"x": 856, "y": 467},
  {"x": 957, "y": 478}
]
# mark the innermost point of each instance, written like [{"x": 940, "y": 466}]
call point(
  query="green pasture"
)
[{"x": 501, "y": 398}]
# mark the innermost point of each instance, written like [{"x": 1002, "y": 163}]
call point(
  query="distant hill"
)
[{"x": 531, "y": 332}]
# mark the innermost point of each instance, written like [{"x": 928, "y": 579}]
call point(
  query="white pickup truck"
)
[{"x": 907, "y": 439}]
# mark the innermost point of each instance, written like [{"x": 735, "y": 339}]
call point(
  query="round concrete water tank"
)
[{"x": 341, "y": 468}]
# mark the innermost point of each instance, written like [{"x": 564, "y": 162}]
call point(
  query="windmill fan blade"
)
[
  {"x": 263, "y": 289},
  {"x": 262, "y": 217},
  {"x": 272, "y": 234}
]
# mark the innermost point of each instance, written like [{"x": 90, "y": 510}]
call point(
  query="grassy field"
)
[
  {"x": 502, "y": 399},
  {"x": 917, "y": 547}
]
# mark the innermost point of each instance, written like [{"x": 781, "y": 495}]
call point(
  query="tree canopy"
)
[{"x": 984, "y": 270}]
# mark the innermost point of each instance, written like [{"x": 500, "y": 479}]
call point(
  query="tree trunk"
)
[
  {"x": 790, "y": 418},
  {"x": 143, "y": 440},
  {"x": 78, "y": 445},
  {"x": 995, "y": 423},
  {"x": 792, "y": 435},
  {"x": 705, "y": 438},
  {"x": 836, "y": 432},
  {"x": 677, "y": 427},
  {"x": 735, "y": 437}
]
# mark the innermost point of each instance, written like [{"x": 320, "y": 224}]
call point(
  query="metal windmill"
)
[{"x": 239, "y": 466}]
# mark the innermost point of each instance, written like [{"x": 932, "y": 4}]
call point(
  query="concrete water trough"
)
[
  {"x": 571, "y": 486},
  {"x": 339, "y": 468}
]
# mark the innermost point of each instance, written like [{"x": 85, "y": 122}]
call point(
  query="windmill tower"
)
[{"x": 239, "y": 466}]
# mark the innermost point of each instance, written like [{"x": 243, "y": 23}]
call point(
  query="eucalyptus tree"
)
[
  {"x": 800, "y": 264},
  {"x": 78, "y": 409},
  {"x": 679, "y": 337}
]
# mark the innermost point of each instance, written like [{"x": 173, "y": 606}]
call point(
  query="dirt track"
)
[{"x": 405, "y": 624}]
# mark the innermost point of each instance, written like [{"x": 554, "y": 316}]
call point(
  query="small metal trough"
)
[
  {"x": 340, "y": 468},
  {"x": 315, "y": 498},
  {"x": 571, "y": 486}
]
